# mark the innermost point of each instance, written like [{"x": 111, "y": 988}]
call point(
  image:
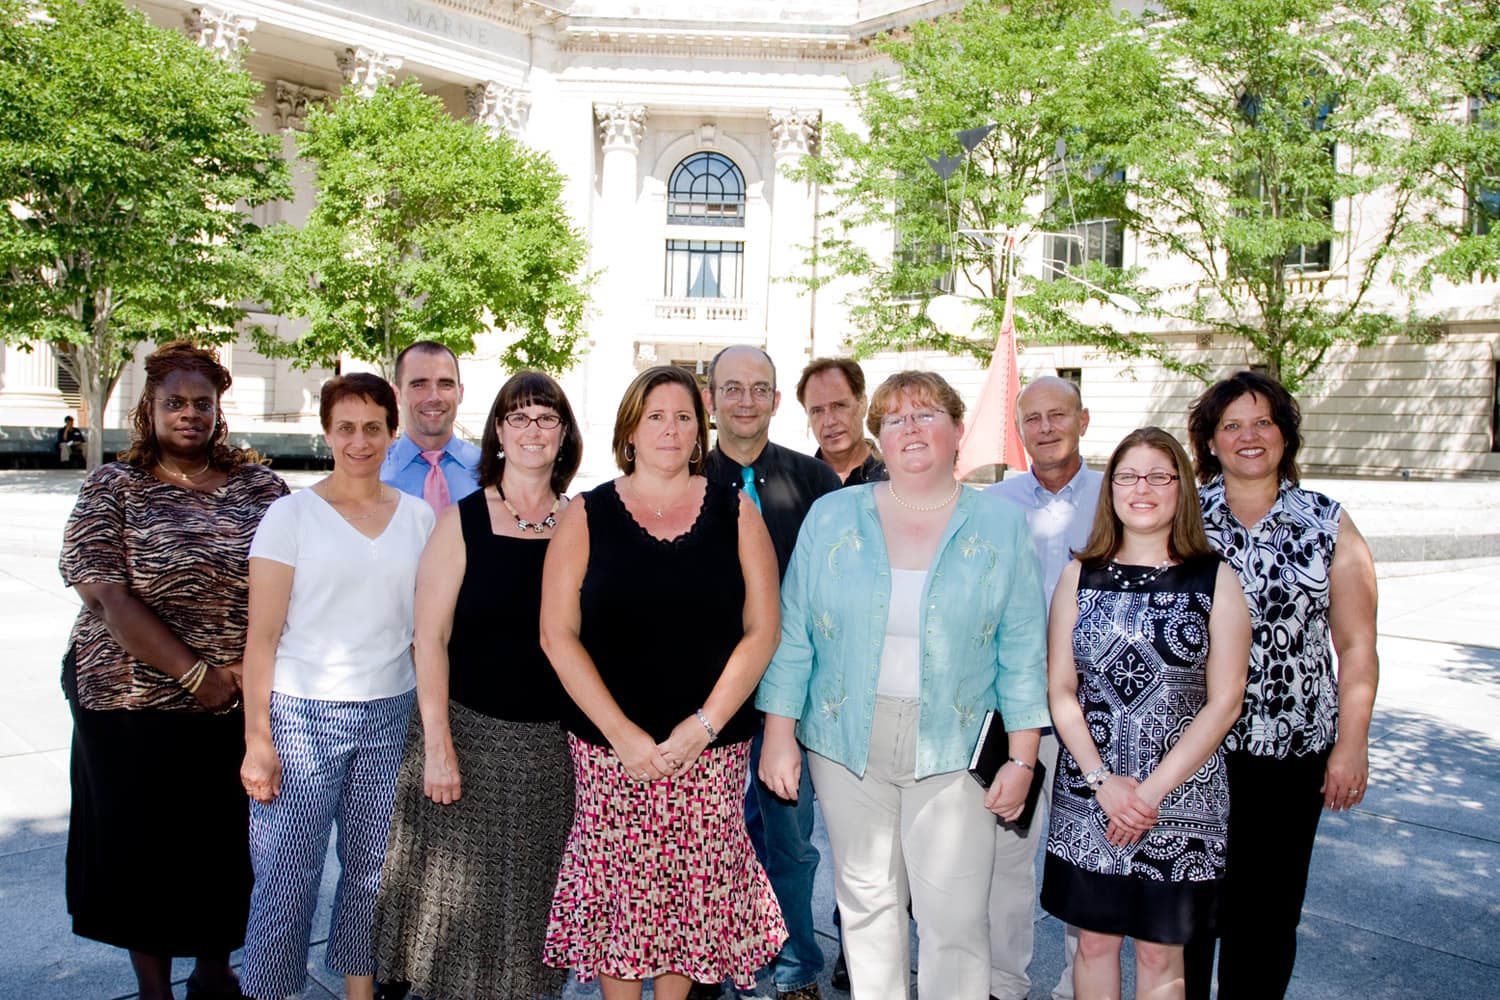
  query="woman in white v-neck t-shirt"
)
[{"x": 329, "y": 688}]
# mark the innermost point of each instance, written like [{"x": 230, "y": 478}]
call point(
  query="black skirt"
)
[
  {"x": 1162, "y": 912},
  {"x": 158, "y": 839}
]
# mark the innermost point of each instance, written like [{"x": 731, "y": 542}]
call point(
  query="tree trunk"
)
[{"x": 96, "y": 392}]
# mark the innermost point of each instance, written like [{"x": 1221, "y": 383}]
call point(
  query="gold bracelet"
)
[{"x": 193, "y": 679}]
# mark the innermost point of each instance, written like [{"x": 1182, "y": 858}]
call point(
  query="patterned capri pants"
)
[{"x": 338, "y": 765}]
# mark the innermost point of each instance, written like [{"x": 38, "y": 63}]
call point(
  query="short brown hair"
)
[
  {"x": 360, "y": 385},
  {"x": 531, "y": 388},
  {"x": 852, "y": 372},
  {"x": 930, "y": 387},
  {"x": 182, "y": 356},
  {"x": 1208, "y": 409},
  {"x": 633, "y": 407},
  {"x": 1187, "y": 539},
  {"x": 426, "y": 347}
]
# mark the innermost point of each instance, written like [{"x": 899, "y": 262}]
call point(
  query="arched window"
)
[{"x": 706, "y": 189}]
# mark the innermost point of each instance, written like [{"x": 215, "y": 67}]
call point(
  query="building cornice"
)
[{"x": 594, "y": 29}]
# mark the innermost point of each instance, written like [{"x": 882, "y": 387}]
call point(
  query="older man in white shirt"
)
[{"x": 1059, "y": 496}]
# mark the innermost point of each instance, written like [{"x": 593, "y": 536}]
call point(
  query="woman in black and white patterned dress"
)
[
  {"x": 1300, "y": 744},
  {"x": 1147, "y": 644}
]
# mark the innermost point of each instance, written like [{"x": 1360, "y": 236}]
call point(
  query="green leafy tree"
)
[
  {"x": 1464, "y": 47},
  {"x": 1288, "y": 163},
  {"x": 1039, "y": 71},
  {"x": 425, "y": 227},
  {"x": 124, "y": 150}
]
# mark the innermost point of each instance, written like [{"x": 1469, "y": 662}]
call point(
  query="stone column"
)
[
  {"x": 789, "y": 313},
  {"x": 617, "y": 253},
  {"x": 221, "y": 32},
  {"x": 365, "y": 69},
  {"x": 28, "y": 385},
  {"x": 499, "y": 108}
]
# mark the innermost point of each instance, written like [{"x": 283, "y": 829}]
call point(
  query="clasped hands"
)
[
  {"x": 1130, "y": 813},
  {"x": 646, "y": 760}
]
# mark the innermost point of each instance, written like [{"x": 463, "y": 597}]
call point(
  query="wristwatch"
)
[{"x": 1097, "y": 777}]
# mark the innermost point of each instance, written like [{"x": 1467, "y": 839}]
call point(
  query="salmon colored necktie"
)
[{"x": 435, "y": 487}]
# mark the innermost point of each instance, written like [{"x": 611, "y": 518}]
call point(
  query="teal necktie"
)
[{"x": 748, "y": 475}]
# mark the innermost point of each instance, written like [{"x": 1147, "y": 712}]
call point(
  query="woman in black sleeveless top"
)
[
  {"x": 485, "y": 794},
  {"x": 660, "y": 613}
]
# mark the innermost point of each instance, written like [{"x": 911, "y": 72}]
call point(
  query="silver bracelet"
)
[
  {"x": 1021, "y": 763},
  {"x": 713, "y": 734},
  {"x": 1095, "y": 779}
]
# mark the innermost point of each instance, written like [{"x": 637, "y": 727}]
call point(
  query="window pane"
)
[
  {"x": 706, "y": 189},
  {"x": 704, "y": 269}
]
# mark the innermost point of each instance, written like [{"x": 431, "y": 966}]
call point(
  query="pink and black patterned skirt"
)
[{"x": 661, "y": 877}]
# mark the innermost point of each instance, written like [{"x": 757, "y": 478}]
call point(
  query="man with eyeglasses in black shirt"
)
[{"x": 742, "y": 397}]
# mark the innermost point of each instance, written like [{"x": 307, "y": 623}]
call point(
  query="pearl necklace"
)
[
  {"x": 925, "y": 507},
  {"x": 161, "y": 464},
  {"x": 1132, "y": 582},
  {"x": 550, "y": 521}
]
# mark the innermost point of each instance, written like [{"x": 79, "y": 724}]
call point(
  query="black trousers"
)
[{"x": 1274, "y": 808}]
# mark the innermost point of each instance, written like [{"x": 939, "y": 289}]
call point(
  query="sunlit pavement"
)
[{"x": 1404, "y": 900}]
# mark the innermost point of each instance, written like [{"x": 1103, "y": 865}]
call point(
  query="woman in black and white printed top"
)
[{"x": 1301, "y": 742}]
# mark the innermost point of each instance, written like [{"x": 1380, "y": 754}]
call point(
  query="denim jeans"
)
[{"x": 782, "y": 834}]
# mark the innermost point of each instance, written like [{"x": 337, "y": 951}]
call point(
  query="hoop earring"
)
[
  {"x": 629, "y": 450},
  {"x": 697, "y": 452}
]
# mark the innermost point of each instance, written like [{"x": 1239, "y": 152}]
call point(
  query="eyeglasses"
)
[
  {"x": 1151, "y": 478},
  {"x": 733, "y": 390},
  {"x": 919, "y": 418},
  {"x": 520, "y": 421},
  {"x": 176, "y": 404}
]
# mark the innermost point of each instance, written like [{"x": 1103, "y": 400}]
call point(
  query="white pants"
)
[
  {"x": 1013, "y": 895},
  {"x": 894, "y": 837}
]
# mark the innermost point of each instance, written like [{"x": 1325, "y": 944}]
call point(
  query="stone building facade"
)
[{"x": 672, "y": 122}]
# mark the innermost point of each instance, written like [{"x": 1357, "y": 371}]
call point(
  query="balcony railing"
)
[{"x": 686, "y": 310}]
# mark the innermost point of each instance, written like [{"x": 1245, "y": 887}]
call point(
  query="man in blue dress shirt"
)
[
  {"x": 429, "y": 391},
  {"x": 1059, "y": 496}
]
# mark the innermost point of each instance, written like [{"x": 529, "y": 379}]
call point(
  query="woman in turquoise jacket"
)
[{"x": 910, "y": 608}]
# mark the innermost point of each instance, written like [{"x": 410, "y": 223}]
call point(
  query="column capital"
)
[
  {"x": 293, "y": 101},
  {"x": 621, "y": 125},
  {"x": 219, "y": 31},
  {"x": 365, "y": 69},
  {"x": 499, "y": 108},
  {"x": 794, "y": 131}
]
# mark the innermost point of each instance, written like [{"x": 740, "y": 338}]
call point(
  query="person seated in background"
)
[{"x": 70, "y": 441}]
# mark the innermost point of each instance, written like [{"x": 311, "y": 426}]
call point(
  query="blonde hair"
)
[{"x": 929, "y": 387}]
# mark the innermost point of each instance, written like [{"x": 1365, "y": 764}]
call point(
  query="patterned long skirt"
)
[
  {"x": 466, "y": 887},
  {"x": 660, "y": 877}
]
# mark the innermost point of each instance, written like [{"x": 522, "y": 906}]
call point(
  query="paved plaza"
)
[{"x": 1404, "y": 899}]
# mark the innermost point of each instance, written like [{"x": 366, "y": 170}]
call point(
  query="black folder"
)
[{"x": 990, "y": 753}]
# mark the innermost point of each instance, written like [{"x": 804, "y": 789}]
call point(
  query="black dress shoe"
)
[{"x": 840, "y": 978}]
